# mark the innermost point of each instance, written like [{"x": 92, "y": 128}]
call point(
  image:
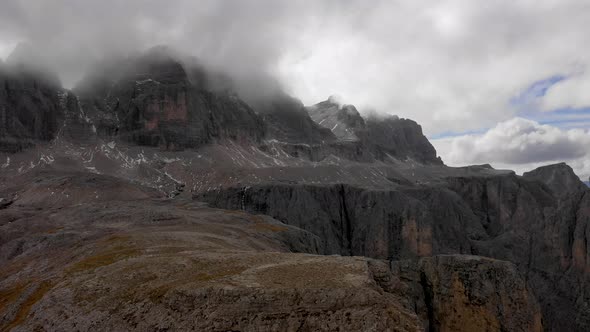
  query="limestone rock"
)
[
  {"x": 384, "y": 137},
  {"x": 468, "y": 293}
]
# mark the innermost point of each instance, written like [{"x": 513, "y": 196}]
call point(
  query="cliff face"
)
[
  {"x": 468, "y": 293},
  {"x": 154, "y": 103},
  {"x": 535, "y": 224}
]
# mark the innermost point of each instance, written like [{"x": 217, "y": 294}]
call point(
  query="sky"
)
[{"x": 500, "y": 82}]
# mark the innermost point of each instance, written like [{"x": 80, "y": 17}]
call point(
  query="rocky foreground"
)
[{"x": 153, "y": 197}]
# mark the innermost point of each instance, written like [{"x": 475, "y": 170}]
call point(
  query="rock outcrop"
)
[
  {"x": 560, "y": 178},
  {"x": 383, "y": 137},
  {"x": 288, "y": 122},
  {"x": 531, "y": 222},
  {"x": 468, "y": 293},
  {"x": 155, "y": 103},
  {"x": 343, "y": 120}
]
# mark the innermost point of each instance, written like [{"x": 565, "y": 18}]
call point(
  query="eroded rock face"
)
[
  {"x": 399, "y": 224},
  {"x": 401, "y": 138},
  {"x": 155, "y": 103},
  {"x": 343, "y": 120},
  {"x": 287, "y": 121},
  {"x": 468, "y": 293},
  {"x": 560, "y": 178},
  {"x": 381, "y": 137}
]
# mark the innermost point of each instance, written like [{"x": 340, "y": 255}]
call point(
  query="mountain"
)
[
  {"x": 153, "y": 196},
  {"x": 386, "y": 137}
]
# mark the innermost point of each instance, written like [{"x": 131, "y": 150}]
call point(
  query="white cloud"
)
[
  {"x": 521, "y": 145},
  {"x": 450, "y": 65},
  {"x": 569, "y": 93}
]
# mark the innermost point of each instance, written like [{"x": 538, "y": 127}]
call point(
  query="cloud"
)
[
  {"x": 519, "y": 144},
  {"x": 571, "y": 93},
  {"x": 452, "y": 65},
  {"x": 72, "y": 34}
]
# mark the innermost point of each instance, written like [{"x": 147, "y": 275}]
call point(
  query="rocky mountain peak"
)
[
  {"x": 560, "y": 178},
  {"x": 287, "y": 121},
  {"x": 385, "y": 136},
  {"x": 343, "y": 120}
]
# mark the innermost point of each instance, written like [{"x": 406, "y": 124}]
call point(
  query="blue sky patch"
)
[
  {"x": 536, "y": 90},
  {"x": 449, "y": 134}
]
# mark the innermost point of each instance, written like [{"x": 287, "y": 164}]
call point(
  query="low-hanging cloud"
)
[
  {"x": 243, "y": 38},
  {"x": 452, "y": 65}
]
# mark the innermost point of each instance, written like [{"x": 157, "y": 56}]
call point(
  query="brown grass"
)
[
  {"x": 208, "y": 271},
  {"x": 117, "y": 248},
  {"x": 103, "y": 259},
  {"x": 269, "y": 228},
  {"x": 53, "y": 230},
  {"x": 11, "y": 295},
  {"x": 27, "y": 305}
]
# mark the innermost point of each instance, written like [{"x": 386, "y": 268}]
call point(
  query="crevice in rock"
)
[
  {"x": 346, "y": 221},
  {"x": 428, "y": 300},
  {"x": 5, "y": 203}
]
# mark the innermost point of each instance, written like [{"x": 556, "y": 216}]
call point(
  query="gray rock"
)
[
  {"x": 29, "y": 108},
  {"x": 539, "y": 227},
  {"x": 383, "y": 137},
  {"x": 468, "y": 293}
]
